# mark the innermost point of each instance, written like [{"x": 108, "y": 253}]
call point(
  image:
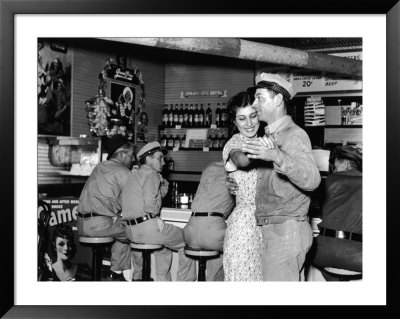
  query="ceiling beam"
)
[{"x": 254, "y": 51}]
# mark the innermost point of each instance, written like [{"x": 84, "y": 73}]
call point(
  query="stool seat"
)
[
  {"x": 200, "y": 252},
  {"x": 203, "y": 255},
  {"x": 339, "y": 271},
  {"x": 95, "y": 240},
  {"x": 146, "y": 251},
  {"x": 343, "y": 274},
  {"x": 97, "y": 252},
  {"x": 145, "y": 246}
]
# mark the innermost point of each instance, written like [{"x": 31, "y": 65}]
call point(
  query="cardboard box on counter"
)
[{"x": 333, "y": 115}]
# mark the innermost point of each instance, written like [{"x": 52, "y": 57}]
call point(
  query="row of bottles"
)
[
  {"x": 173, "y": 141},
  {"x": 194, "y": 115},
  {"x": 215, "y": 141}
]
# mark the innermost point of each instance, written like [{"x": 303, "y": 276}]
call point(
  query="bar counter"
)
[{"x": 176, "y": 216}]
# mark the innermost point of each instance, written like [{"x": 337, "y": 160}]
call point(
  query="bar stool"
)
[
  {"x": 343, "y": 274},
  {"x": 97, "y": 244},
  {"x": 146, "y": 253},
  {"x": 203, "y": 255}
]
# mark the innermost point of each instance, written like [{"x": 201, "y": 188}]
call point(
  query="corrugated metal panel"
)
[{"x": 314, "y": 44}]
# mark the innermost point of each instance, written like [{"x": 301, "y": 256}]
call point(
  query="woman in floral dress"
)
[{"x": 243, "y": 238}]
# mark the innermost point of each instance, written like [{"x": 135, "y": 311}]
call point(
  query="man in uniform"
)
[
  {"x": 100, "y": 203},
  {"x": 339, "y": 243},
  {"x": 287, "y": 171},
  {"x": 211, "y": 206},
  {"x": 141, "y": 206}
]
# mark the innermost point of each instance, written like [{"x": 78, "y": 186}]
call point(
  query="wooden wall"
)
[
  {"x": 88, "y": 61},
  {"x": 190, "y": 72},
  {"x": 166, "y": 73}
]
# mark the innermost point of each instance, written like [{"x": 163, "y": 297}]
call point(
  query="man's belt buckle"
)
[{"x": 340, "y": 234}]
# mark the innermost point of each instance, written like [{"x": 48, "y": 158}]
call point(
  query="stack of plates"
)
[{"x": 314, "y": 111}]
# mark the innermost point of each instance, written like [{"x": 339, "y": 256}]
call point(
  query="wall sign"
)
[
  {"x": 315, "y": 81},
  {"x": 319, "y": 83},
  {"x": 219, "y": 93}
]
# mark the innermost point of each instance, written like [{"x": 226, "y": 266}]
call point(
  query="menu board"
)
[{"x": 316, "y": 81}]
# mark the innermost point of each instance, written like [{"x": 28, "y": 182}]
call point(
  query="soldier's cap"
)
[
  {"x": 346, "y": 152},
  {"x": 274, "y": 82},
  {"x": 150, "y": 148}
]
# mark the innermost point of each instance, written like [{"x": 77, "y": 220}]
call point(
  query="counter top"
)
[{"x": 175, "y": 214}]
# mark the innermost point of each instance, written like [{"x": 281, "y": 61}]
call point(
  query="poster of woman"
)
[{"x": 54, "y": 88}]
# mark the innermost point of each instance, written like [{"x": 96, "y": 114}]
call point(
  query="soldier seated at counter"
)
[
  {"x": 141, "y": 206},
  {"x": 206, "y": 227},
  {"x": 100, "y": 205},
  {"x": 339, "y": 243}
]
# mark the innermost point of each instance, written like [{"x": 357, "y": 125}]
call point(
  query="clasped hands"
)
[{"x": 264, "y": 148}]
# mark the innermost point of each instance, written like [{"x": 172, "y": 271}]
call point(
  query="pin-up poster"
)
[{"x": 54, "y": 87}]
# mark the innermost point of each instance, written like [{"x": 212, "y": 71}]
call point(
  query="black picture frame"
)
[{"x": 9, "y": 9}]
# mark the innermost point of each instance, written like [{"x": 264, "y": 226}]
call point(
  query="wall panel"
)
[
  {"x": 203, "y": 73},
  {"x": 89, "y": 60}
]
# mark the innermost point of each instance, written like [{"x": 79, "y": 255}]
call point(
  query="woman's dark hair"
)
[
  {"x": 66, "y": 232},
  {"x": 240, "y": 100}
]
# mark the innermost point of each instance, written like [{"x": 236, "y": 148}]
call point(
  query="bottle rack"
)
[
  {"x": 194, "y": 115},
  {"x": 174, "y": 138}
]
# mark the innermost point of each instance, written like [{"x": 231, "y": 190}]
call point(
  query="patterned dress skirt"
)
[{"x": 243, "y": 238}]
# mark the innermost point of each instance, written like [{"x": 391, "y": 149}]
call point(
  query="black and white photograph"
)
[
  {"x": 277, "y": 198},
  {"x": 235, "y": 166}
]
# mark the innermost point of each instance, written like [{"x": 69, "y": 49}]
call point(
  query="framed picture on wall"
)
[
  {"x": 122, "y": 119},
  {"x": 53, "y": 88}
]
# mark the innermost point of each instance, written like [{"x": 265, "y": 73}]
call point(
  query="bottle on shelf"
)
[
  {"x": 170, "y": 116},
  {"x": 177, "y": 141},
  {"x": 196, "y": 116},
  {"x": 176, "y": 115},
  {"x": 210, "y": 141},
  {"x": 202, "y": 115},
  {"x": 185, "y": 116},
  {"x": 208, "y": 118},
  {"x": 165, "y": 115},
  {"x": 175, "y": 194},
  {"x": 180, "y": 115},
  {"x": 218, "y": 115},
  {"x": 215, "y": 142},
  {"x": 163, "y": 140},
  {"x": 170, "y": 164},
  {"x": 170, "y": 141},
  {"x": 222, "y": 141},
  {"x": 224, "y": 115},
  {"x": 183, "y": 141},
  {"x": 190, "y": 116}
]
